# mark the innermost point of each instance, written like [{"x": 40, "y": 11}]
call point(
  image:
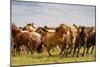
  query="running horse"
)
[
  {"x": 28, "y": 39},
  {"x": 54, "y": 39}
]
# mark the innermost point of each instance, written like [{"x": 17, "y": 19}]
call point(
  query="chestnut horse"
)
[
  {"x": 51, "y": 40},
  {"x": 30, "y": 39}
]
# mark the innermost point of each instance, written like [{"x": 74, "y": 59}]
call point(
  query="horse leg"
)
[
  {"x": 66, "y": 51},
  {"x": 21, "y": 50},
  {"x": 26, "y": 50},
  {"x": 83, "y": 50},
  {"x": 87, "y": 49},
  {"x": 31, "y": 49},
  {"x": 62, "y": 50},
  {"x": 78, "y": 51},
  {"x": 18, "y": 50},
  {"x": 71, "y": 48},
  {"x": 48, "y": 50},
  {"x": 74, "y": 51},
  {"x": 92, "y": 49},
  {"x": 13, "y": 50}
]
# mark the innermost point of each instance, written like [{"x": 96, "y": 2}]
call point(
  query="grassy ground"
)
[{"x": 45, "y": 59}]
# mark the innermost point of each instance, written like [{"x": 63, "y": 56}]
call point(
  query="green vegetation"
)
[{"x": 43, "y": 58}]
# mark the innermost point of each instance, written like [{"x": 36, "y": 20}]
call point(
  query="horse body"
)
[
  {"x": 51, "y": 40},
  {"x": 91, "y": 41},
  {"x": 29, "y": 39},
  {"x": 80, "y": 40},
  {"x": 69, "y": 37}
]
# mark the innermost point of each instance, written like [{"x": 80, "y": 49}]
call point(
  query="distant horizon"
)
[{"x": 52, "y": 14}]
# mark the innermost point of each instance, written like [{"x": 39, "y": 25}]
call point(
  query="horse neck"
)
[
  {"x": 89, "y": 32},
  {"x": 70, "y": 32},
  {"x": 83, "y": 35},
  {"x": 59, "y": 34},
  {"x": 92, "y": 34}
]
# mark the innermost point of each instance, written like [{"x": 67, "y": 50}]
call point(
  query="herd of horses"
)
[{"x": 30, "y": 39}]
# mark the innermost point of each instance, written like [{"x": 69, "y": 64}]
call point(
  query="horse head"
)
[
  {"x": 62, "y": 28},
  {"x": 15, "y": 30},
  {"x": 41, "y": 31}
]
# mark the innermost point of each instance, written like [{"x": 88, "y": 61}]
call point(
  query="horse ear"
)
[
  {"x": 75, "y": 26},
  {"x": 64, "y": 26},
  {"x": 61, "y": 25}
]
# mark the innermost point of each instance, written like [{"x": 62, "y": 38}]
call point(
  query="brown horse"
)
[
  {"x": 81, "y": 40},
  {"x": 41, "y": 31},
  {"x": 69, "y": 37},
  {"x": 51, "y": 40},
  {"x": 29, "y": 39},
  {"x": 91, "y": 41}
]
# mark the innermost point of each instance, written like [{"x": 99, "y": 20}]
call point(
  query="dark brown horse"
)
[
  {"x": 91, "y": 41},
  {"x": 81, "y": 40}
]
